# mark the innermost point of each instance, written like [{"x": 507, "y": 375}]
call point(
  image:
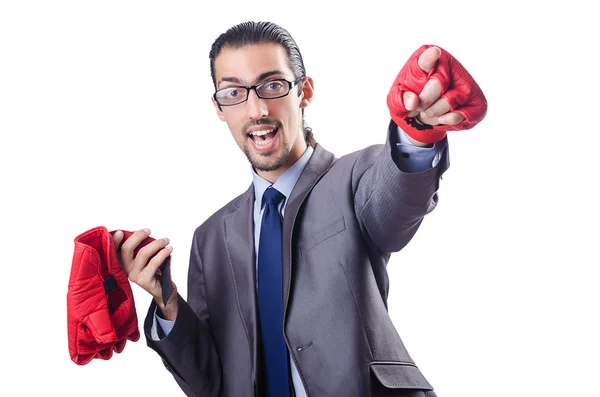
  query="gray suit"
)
[{"x": 343, "y": 220}]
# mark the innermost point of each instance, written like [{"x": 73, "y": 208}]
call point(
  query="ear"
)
[
  {"x": 308, "y": 90},
  {"x": 218, "y": 109}
]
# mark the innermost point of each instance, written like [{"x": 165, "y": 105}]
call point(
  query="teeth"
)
[
  {"x": 261, "y": 133},
  {"x": 263, "y": 143}
]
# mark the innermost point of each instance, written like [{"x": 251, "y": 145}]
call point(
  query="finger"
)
[
  {"x": 411, "y": 100},
  {"x": 151, "y": 270},
  {"x": 451, "y": 118},
  {"x": 428, "y": 120},
  {"x": 456, "y": 97},
  {"x": 431, "y": 93},
  {"x": 413, "y": 114},
  {"x": 117, "y": 238},
  {"x": 146, "y": 253},
  {"x": 440, "y": 107},
  {"x": 129, "y": 246},
  {"x": 428, "y": 58}
]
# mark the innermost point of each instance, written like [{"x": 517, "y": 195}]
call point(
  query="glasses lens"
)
[
  {"x": 274, "y": 89},
  {"x": 231, "y": 95}
]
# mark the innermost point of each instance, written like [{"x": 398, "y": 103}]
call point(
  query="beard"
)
[{"x": 262, "y": 161}]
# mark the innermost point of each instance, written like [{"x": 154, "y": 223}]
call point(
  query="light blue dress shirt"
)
[{"x": 411, "y": 159}]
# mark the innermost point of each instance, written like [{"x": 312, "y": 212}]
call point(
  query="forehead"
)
[{"x": 248, "y": 62}]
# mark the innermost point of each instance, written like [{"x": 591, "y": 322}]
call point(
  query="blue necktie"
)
[{"x": 270, "y": 297}]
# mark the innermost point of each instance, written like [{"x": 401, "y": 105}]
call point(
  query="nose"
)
[{"x": 256, "y": 108}]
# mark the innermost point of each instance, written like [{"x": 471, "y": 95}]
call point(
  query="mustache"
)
[{"x": 250, "y": 124}]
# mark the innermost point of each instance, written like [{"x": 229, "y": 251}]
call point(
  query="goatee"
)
[{"x": 263, "y": 166}]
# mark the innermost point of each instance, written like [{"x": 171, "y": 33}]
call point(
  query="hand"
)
[
  {"x": 436, "y": 90},
  {"x": 142, "y": 263}
]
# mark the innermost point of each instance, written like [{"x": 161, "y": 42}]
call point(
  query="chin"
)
[{"x": 269, "y": 162}]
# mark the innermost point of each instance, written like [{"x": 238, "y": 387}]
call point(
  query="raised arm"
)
[{"x": 432, "y": 94}]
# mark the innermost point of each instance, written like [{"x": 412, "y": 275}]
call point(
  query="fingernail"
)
[
  {"x": 441, "y": 119},
  {"x": 423, "y": 115},
  {"x": 166, "y": 240},
  {"x": 146, "y": 230},
  {"x": 170, "y": 248}
]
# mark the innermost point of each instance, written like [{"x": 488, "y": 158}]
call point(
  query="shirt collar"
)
[{"x": 286, "y": 182}]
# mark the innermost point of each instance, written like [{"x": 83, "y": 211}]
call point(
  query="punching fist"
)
[{"x": 434, "y": 93}]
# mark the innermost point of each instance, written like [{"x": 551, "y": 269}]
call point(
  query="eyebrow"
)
[{"x": 260, "y": 78}]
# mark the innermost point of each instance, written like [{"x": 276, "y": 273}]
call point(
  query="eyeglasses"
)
[{"x": 271, "y": 89}]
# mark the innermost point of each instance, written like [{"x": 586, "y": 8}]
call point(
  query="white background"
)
[{"x": 106, "y": 119}]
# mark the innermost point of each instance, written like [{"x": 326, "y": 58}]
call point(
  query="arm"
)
[
  {"x": 188, "y": 351},
  {"x": 390, "y": 203},
  {"x": 432, "y": 94}
]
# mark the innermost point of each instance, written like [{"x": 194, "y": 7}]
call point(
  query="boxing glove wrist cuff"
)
[{"x": 418, "y": 131}]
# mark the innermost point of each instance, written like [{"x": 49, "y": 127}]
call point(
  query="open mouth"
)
[{"x": 263, "y": 137}]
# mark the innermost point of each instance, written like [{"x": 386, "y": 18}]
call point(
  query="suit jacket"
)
[{"x": 343, "y": 220}]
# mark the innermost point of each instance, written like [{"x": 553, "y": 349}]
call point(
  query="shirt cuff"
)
[
  {"x": 160, "y": 327},
  {"x": 412, "y": 158}
]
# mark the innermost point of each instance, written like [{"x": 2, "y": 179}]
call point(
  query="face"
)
[{"x": 269, "y": 131}]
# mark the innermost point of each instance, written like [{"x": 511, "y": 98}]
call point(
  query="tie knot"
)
[{"x": 272, "y": 196}]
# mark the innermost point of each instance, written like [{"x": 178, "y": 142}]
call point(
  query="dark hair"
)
[{"x": 248, "y": 33}]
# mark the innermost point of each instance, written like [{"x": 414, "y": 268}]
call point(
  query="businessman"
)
[{"x": 287, "y": 283}]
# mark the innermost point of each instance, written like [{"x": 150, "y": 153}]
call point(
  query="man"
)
[{"x": 287, "y": 283}]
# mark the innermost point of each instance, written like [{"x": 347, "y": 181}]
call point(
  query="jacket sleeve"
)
[
  {"x": 189, "y": 351},
  {"x": 390, "y": 204}
]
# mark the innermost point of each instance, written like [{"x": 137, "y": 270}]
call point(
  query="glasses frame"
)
[{"x": 291, "y": 84}]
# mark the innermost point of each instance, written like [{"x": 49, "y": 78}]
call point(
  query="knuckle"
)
[
  {"x": 152, "y": 262},
  {"x": 430, "y": 111},
  {"x": 426, "y": 100},
  {"x": 162, "y": 255},
  {"x": 126, "y": 248},
  {"x": 144, "y": 251},
  {"x": 427, "y": 120},
  {"x": 460, "y": 118},
  {"x": 454, "y": 118},
  {"x": 151, "y": 248}
]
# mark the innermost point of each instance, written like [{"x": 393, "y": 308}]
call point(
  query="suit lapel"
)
[
  {"x": 319, "y": 163},
  {"x": 239, "y": 237}
]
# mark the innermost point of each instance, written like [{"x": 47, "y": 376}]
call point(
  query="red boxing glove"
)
[
  {"x": 458, "y": 87},
  {"x": 101, "y": 313}
]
